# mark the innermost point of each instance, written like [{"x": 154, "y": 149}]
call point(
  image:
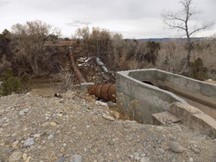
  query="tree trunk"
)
[
  {"x": 34, "y": 65},
  {"x": 74, "y": 67}
]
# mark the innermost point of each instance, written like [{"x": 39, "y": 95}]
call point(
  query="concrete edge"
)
[
  {"x": 125, "y": 74},
  {"x": 166, "y": 72},
  {"x": 194, "y": 118}
]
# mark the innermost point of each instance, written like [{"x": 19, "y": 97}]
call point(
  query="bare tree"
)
[
  {"x": 30, "y": 39},
  {"x": 180, "y": 22}
]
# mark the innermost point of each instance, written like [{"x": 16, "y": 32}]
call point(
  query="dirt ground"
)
[{"x": 75, "y": 128}]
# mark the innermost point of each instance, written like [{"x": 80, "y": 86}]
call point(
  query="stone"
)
[
  {"x": 28, "y": 142},
  {"x": 195, "y": 150},
  {"x": 25, "y": 156},
  {"x": 131, "y": 156},
  {"x": 176, "y": 147},
  {"x": 2, "y": 121},
  {"x": 15, "y": 144},
  {"x": 2, "y": 159},
  {"x": 23, "y": 112},
  {"x": 76, "y": 158},
  {"x": 15, "y": 156},
  {"x": 62, "y": 149},
  {"x": 161, "y": 150},
  {"x": 108, "y": 117},
  {"x": 144, "y": 159},
  {"x": 53, "y": 124},
  {"x": 45, "y": 124},
  {"x": 37, "y": 135},
  {"x": 61, "y": 159},
  {"x": 51, "y": 136},
  {"x": 28, "y": 159},
  {"x": 136, "y": 156}
]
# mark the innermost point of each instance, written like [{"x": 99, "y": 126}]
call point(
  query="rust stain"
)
[{"x": 104, "y": 91}]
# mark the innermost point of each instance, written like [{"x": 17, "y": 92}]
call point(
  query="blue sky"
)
[{"x": 131, "y": 18}]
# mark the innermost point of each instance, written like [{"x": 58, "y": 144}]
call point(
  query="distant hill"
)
[{"x": 169, "y": 39}]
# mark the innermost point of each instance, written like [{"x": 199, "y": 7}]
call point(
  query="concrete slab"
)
[{"x": 164, "y": 118}]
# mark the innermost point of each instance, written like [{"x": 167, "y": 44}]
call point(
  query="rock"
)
[
  {"x": 53, "y": 124},
  {"x": 101, "y": 103},
  {"x": 108, "y": 117},
  {"x": 28, "y": 159},
  {"x": 191, "y": 160},
  {"x": 2, "y": 120},
  {"x": 62, "y": 149},
  {"x": 76, "y": 158},
  {"x": 45, "y": 124},
  {"x": 23, "y": 112},
  {"x": 51, "y": 136},
  {"x": 15, "y": 144},
  {"x": 59, "y": 115},
  {"x": 37, "y": 135},
  {"x": 131, "y": 156},
  {"x": 176, "y": 147},
  {"x": 2, "y": 160},
  {"x": 195, "y": 150},
  {"x": 136, "y": 156},
  {"x": 25, "y": 156},
  {"x": 144, "y": 159},
  {"x": 57, "y": 95},
  {"x": 161, "y": 150},
  {"x": 61, "y": 159},
  {"x": 15, "y": 156},
  {"x": 28, "y": 142}
]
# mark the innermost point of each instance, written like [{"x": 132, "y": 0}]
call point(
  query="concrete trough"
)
[{"x": 142, "y": 93}]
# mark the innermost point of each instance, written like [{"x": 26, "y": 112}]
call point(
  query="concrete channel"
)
[{"x": 149, "y": 94}]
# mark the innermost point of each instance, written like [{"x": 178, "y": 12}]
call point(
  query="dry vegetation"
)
[{"x": 33, "y": 49}]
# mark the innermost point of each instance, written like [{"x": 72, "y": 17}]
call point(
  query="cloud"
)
[
  {"x": 132, "y": 18},
  {"x": 2, "y": 3},
  {"x": 77, "y": 23}
]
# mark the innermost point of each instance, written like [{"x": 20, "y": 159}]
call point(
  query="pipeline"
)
[{"x": 106, "y": 92}]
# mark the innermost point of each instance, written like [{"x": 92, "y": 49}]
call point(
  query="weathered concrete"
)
[
  {"x": 196, "y": 90},
  {"x": 138, "y": 99},
  {"x": 194, "y": 118},
  {"x": 164, "y": 118}
]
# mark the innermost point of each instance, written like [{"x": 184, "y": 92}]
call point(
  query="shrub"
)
[
  {"x": 197, "y": 70},
  {"x": 10, "y": 83}
]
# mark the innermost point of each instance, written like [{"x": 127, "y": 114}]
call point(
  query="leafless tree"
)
[
  {"x": 30, "y": 42},
  {"x": 180, "y": 22}
]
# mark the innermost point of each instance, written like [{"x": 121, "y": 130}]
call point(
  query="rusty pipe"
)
[{"x": 106, "y": 92}]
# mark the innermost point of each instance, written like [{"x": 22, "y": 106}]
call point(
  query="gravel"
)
[{"x": 76, "y": 129}]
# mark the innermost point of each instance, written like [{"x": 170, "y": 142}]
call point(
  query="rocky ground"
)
[{"x": 75, "y": 128}]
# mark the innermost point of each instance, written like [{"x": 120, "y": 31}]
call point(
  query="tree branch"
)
[
  {"x": 201, "y": 28},
  {"x": 178, "y": 27}
]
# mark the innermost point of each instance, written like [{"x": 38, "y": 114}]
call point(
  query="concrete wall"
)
[
  {"x": 139, "y": 100},
  {"x": 196, "y": 90}
]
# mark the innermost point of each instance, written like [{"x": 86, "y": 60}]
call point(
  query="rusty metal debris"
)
[{"x": 106, "y": 92}]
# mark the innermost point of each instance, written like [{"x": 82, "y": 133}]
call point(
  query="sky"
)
[{"x": 131, "y": 18}]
